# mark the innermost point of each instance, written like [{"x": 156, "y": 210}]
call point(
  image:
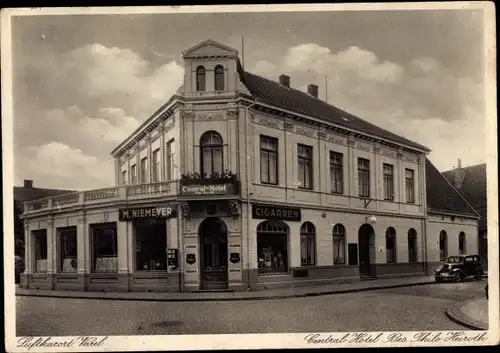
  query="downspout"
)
[
  {"x": 423, "y": 194},
  {"x": 247, "y": 176}
]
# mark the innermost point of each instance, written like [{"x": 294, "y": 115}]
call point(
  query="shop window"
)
[
  {"x": 443, "y": 246},
  {"x": 412, "y": 245},
  {"x": 305, "y": 165},
  {"x": 219, "y": 78},
  {"x": 268, "y": 160},
  {"x": 336, "y": 173},
  {"x": 461, "y": 243},
  {"x": 390, "y": 244},
  {"x": 272, "y": 247},
  {"x": 307, "y": 244},
  {"x": 151, "y": 245},
  {"x": 211, "y": 154},
  {"x": 40, "y": 238},
  {"x": 200, "y": 79},
  {"x": 68, "y": 249},
  {"x": 155, "y": 168},
  {"x": 388, "y": 182},
  {"x": 338, "y": 244},
  {"x": 363, "y": 177},
  {"x": 104, "y": 246}
]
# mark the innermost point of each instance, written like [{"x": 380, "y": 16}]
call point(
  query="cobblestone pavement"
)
[{"x": 400, "y": 309}]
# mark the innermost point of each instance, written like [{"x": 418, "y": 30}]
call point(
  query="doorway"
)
[
  {"x": 213, "y": 251},
  {"x": 366, "y": 241}
]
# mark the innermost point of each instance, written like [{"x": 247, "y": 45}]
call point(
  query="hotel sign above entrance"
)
[
  {"x": 276, "y": 213},
  {"x": 129, "y": 214},
  {"x": 206, "y": 190}
]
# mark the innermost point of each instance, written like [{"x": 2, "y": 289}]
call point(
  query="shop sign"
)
[
  {"x": 234, "y": 257},
  {"x": 128, "y": 214},
  {"x": 206, "y": 190},
  {"x": 278, "y": 213}
]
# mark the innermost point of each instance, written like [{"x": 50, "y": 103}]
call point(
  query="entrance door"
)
[
  {"x": 366, "y": 241},
  {"x": 213, "y": 250}
]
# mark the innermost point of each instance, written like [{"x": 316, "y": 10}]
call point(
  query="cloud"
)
[
  {"x": 420, "y": 99},
  {"x": 60, "y": 165},
  {"x": 88, "y": 99}
]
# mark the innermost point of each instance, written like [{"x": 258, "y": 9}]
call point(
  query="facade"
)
[
  {"x": 471, "y": 183},
  {"x": 239, "y": 183}
]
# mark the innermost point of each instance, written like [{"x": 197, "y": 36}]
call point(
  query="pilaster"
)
[
  {"x": 149, "y": 164},
  {"x": 82, "y": 243},
  {"x": 122, "y": 247},
  {"x": 163, "y": 162},
  {"x": 51, "y": 248},
  {"x": 29, "y": 248}
]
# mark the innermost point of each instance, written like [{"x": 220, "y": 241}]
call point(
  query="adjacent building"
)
[
  {"x": 471, "y": 183},
  {"x": 239, "y": 182}
]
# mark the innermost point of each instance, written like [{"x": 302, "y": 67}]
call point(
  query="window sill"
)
[{"x": 336, "y": 193}]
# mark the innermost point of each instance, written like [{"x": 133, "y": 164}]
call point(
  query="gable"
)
[{"x": 209, "y": 48}]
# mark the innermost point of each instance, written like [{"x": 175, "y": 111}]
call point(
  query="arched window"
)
[
  {"x": 412, "y": 245},
  {"x": 272, "y": 247},
  {"x": 462, "y": 247},
  {"x": 443, "y": 246},
  {"x": 338, "y": 244},
  {"x": 200, "y": 78},
  {"x": 211, "y": 151},
  {"x": 219, "y": 78},
  {"x": 390, "y": 244},
  {"x": 307, "y": 244}
]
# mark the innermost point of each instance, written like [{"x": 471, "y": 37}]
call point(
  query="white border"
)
[{"x": 248, "y": 341}]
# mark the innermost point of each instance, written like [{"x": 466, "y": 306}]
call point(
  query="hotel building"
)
[{"x": 239, "y": 182}]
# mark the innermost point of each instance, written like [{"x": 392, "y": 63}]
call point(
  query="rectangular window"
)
[
  {"x": 133, "y": 174},
  {"x": 410, "y": 186},
  {"x": 307, "y": 250},
  {"x": 388, "y": 182},
  {"x": 363, "y": 177},
  {"x": 40, "y": 237},
  {"x": 144, "y": 170},
  {"x": 156, "y": 166},
  {"x": 67, "y": 249},
  {"x": 268, "y": 160},
  {"x": 104, "y": 246},
  {"x": 124, "y": 177},
  {"x": 170, "y": 160},
  {"x": 338, "y": 249},
  {"x": 336, "y": 173},
  {"x": 272, "y": 252},
  {"x": 151, "y": 245},
  {"x": 305, "y": 164}
]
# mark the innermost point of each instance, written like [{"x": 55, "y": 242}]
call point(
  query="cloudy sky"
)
[{"x": 83, "y": 83}]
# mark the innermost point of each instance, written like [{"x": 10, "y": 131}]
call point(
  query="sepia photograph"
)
[{"x": 327, "y": 173}]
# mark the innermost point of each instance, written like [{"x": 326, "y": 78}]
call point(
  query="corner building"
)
[{"x": 240, "y": 182}]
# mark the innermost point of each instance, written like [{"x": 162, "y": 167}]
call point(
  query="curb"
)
[
  {"x": 456, "y": 315},
  {"x": 270, "y": 297}
]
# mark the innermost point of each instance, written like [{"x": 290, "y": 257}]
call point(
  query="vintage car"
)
[{"x": 460, "y": 267}]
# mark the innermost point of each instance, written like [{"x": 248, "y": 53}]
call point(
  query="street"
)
[{"x": 400, "y": 309}]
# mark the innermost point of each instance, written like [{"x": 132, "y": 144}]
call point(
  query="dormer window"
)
[
  {"x": 219, "y": 78},
  {"x": 200, "y": 78}
]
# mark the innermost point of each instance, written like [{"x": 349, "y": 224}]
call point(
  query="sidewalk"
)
[
  {"x": 472, "y": 314},
  {"x": 358, "y": 286}
]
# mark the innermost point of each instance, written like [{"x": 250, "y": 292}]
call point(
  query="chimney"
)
[
  {"x": 28, "y": 184},
  {"x": 285, "y": 80},
  {"x": 459, "y": 163},
  {"x": 313, "y": 90}
]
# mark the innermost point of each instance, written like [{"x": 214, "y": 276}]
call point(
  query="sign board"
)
[
  {"x": 129, "y": 214},
  {"x": 206, "y": 190},
  {"x": 277, "y": 213}
]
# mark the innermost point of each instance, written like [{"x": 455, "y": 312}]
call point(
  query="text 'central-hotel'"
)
[{"x": 240, "y": 182}]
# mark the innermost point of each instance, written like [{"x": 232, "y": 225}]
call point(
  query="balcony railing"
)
[{"x": 126, "y": 192}]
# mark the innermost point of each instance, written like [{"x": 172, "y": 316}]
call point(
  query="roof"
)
[
  {"x": 23, "y": 194},
  {"x": 442, "y": 196},
  {"x": 270, "y": 92},
  {"x": 473, "y": 187}
]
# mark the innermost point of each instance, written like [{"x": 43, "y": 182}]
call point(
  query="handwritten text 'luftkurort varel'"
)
[
  {"x": 396, "y": 337},
  {"x": 51, "y": 342}
]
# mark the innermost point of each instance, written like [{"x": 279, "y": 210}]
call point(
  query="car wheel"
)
[
  {"x": 479, "y": 275},
  {"x": 458, "y": 277}
]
